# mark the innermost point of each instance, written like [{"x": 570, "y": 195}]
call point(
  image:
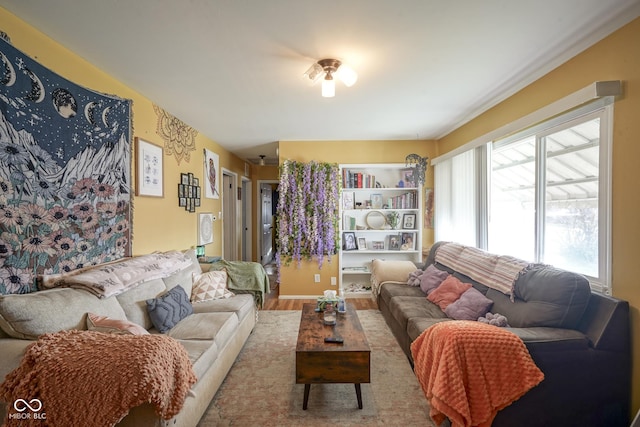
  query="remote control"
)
[{"x": 334, "y": 340}]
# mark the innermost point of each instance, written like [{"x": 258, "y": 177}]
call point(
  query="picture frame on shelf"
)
[
  {"x": 376, "y": 201},
  {"x": 349, "y": 242},
  {"x": 407, "y": 178},
  {"x": 394, "y": 242},
  {"x": 409, "y": 221},
  {"x": 377, "y": 245},
  {"x": 348, "y": 200},
  {"x": 149, "y": 169},
  {"x": 362, "y": 244},
  {"x": 408, "y": 241}
]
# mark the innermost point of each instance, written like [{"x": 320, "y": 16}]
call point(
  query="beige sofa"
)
[{"x": 213, "y": 335}]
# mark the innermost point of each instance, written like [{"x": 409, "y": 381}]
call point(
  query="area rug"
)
[{"x": 260, "y": 389}]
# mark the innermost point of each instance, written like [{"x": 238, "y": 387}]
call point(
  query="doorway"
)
[
  {"x": 229, "y": 222},
  {"x": 246, "y": 220},
  {"x": 268, "y": 201}
]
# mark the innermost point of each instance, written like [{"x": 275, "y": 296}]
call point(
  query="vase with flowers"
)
[{"x": 393, "y": 218}]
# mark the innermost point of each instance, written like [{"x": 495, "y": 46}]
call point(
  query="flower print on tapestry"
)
[{"x": 65, "y": 173}]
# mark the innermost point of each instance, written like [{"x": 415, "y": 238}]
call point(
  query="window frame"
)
[{"x": 595, "y": 99}]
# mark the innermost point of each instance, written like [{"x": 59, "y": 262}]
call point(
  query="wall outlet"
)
[
  {"x": 333, "y": 281},
  {"x": 316, "y": 278}
]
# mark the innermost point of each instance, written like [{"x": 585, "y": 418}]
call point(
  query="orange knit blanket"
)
[
  {"x": 87, "y": 378},
  {"x": 470, "y": 370}
]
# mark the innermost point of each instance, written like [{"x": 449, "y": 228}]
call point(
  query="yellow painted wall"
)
[
  {"x": 158, "y": 223},
  {"x": 617, "y": 57},
  {"x": 296, "y": 281}
]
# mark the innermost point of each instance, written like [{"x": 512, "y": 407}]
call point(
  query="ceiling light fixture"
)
[
  {"x": 261, "y": 162},
  {"x": 328, "y": 68}
]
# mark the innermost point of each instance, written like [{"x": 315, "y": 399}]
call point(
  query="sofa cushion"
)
[
  {"x": 209, "y": 286},
  {"x": 27, "y": 316},
  {"x": 241, "y": 305},
  {"x": 184, "y": 277},
  {"x": 545, "y": 296},
  {"x": 167, "y": 310},
  {"x": 470, "y": 306},
  {"x": 405, "y": 308},
  {"x": 432, "y": 278},
  {"x": 449, "y": 291},
  {"x": 389, "y": 290},
  {"x": 108, "y": 325},
  {"x": 202, "y": 354},
  {"x": 134, "y": 301},
  {"x": 216, "y": 327},
  {"x": 417, "y": 325}
]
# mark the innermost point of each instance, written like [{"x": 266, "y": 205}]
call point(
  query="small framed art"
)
[
  {"x": 362, "y": 244},
  {"x": 376, "y": 201},
  {"x": 409, "y": 221},
  {"x": 349, "y": 241},
  {"x": 408, "y": 242},
  {"x": 394, "y": 242},
  {"x": 149, "y": 169}
]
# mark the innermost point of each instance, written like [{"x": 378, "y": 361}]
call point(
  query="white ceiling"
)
[{"x": 233, "y": 68}]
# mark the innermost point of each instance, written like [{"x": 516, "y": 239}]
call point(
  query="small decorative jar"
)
[{"x": 329, "y": 315}]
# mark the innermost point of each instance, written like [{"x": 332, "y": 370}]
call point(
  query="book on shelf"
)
[
  {"x": 353, "y": 179},
  {"x": 349, "y": 222}
]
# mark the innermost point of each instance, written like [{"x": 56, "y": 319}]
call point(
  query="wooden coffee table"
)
[{"x": 318, "y": 362}]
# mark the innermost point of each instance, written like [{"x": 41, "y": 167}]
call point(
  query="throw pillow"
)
[
  {"x": 209, "y": 286},
  {"x": 432, "y": 278},
  {"x": 106, "y": 324},
  {"x": 449, "y": 291},
  {"x": 470, "y": 306},
  {"x": 167, "y": 310}
]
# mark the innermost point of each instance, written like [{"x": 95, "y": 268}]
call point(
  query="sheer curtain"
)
[{"x": 456, "y": 215}]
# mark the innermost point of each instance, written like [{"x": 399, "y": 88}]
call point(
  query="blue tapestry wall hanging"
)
[{"x": 65, "y": 174}]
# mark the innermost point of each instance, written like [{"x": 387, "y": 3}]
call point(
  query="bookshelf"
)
[{"x": 371, "y": 195}]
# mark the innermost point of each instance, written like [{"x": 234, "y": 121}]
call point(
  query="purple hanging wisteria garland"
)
[{"x": 307, "y": 212}]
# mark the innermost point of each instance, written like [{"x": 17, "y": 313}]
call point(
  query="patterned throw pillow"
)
[
  {"x": 209, "y": 286},
  {"x": 168, "y": 309},
  {"x": 113, "y": 326}
]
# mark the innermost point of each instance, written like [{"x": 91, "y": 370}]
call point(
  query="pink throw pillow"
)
[
  {"x": 113, "y": 326},
  {"x": 432, "y": 278},
  {"x": 448, "y": 292}
]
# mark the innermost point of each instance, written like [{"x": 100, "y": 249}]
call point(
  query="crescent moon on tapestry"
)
[
  {"x": 89, "y": 112},
  {"x": 9, "y": 75},
  {"x": 37, "y": 89},
  {"x": 104, "y": 116}
]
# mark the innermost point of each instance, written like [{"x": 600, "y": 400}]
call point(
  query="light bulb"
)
[
  {"x": 328, "y": 87},
  {"x": 347, "y": 75}
]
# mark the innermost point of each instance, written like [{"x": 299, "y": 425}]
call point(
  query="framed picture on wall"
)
[{"x": 149, "y": 169}]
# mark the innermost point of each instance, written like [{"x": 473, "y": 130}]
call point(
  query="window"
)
[{"x": 543, "y": 193}]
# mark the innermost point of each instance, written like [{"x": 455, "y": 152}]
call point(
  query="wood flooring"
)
[{"x": 272, "y": 302}]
